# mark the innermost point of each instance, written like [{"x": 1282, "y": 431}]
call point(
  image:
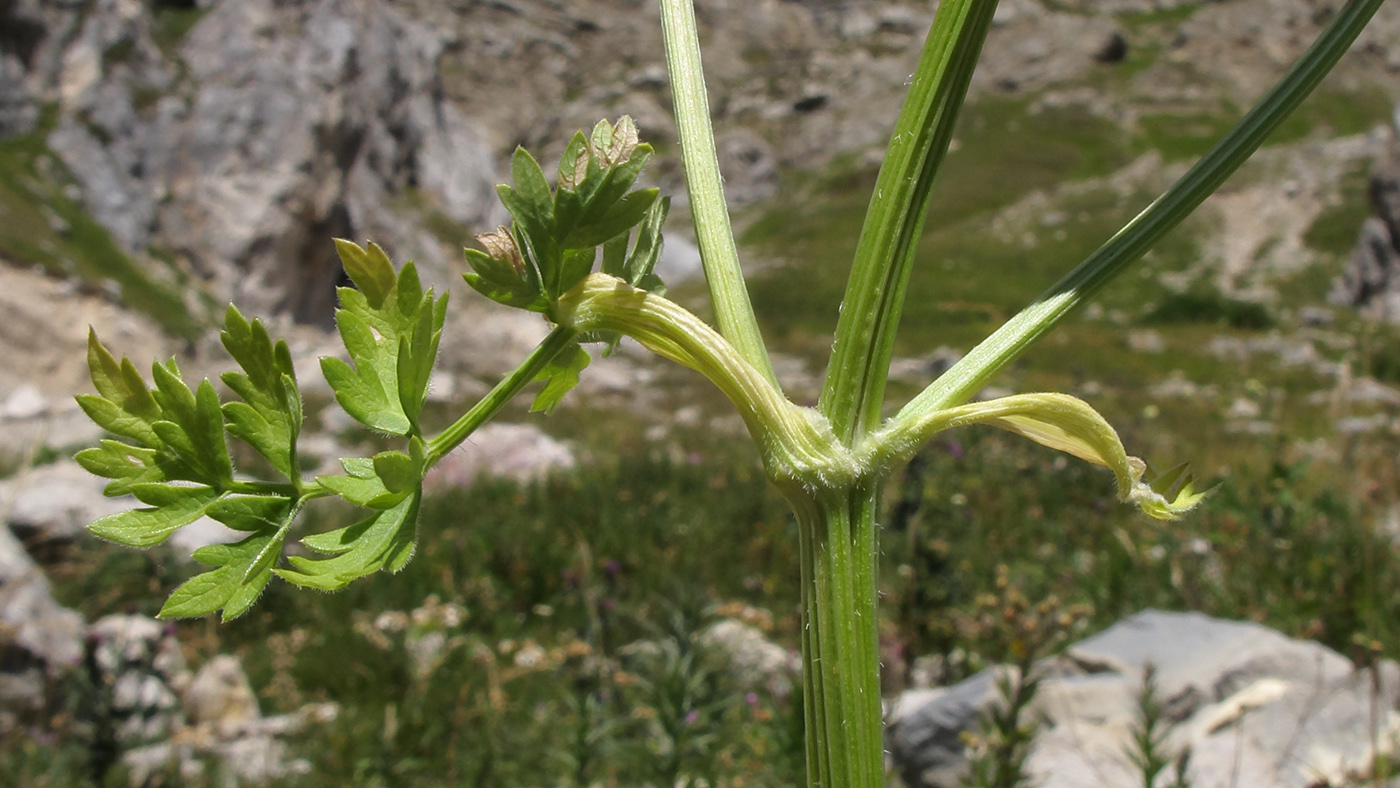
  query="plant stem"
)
[
  {"x": 452, "y": 437},
  {"x": 1014, "y": 337},
  {"x": 733, "y": 310},
  {"x": 840, "y": 662},
  {"x": 860, "y": 357}
]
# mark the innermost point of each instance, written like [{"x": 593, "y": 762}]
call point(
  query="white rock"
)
[
  {"x": 517, "y": 451},
  {"x": 57, "y": 501},
  {"x": 1257, "y": 709},
  {"x": 221, "y": 698},
  {"x": 25, "y": 402}
]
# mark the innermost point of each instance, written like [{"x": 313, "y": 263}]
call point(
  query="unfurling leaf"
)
[
  {"x": 622, "y": 216},
  {"x": 369, "y": 269},
  {"x": 1070, "y": 425}
]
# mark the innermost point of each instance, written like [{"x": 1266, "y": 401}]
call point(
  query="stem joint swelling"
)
[{"x": 800, "y": 451}]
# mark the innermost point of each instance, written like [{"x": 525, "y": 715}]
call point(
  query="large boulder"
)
[{"x": 1257, "y": 709}]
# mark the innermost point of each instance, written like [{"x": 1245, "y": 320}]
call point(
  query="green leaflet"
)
[
  {"x": 383, "y": 541},
  {"x": 622, "y": 216},
  {"x": 228, "y": 586},
  {"x": 269, "y": 418},
  {"x": 241, "y": 570},
  {"x": 180, "y": 432},
  {"x": 251, "y": 512},
  {"x": 170, "y": 512},
  {"x": 123, "y": 404},
  {"x": 560, "y": 377},
  {"x": 401, "y": 473},
  {"x": 369, "y": 269},
  {"x": 417, "y": 354},
  {"x": 193, "y": 425},
  {"x": 376, "y": 327},
  {"x": 125, "y": 464}
]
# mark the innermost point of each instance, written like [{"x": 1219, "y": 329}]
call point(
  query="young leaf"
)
[
  {"x": 561, "y": 377},
  {"x": 123, "y": 404},
  {"x": 269, "y": 418},
  {"x": 379, "y": 542},
  {"x": 370, "y": 270},
  {"x": 498, "y": 281},
  {"x": 417, "y": 354},
  {"x": 148, "y": 527},
  {"x": 647, "y": 250},
  {"x": 573, "y": 165},
  {"x": 614, "y": 183},
  {"x": 399, "y": 472},
  {"x": 578, "y": 263}
]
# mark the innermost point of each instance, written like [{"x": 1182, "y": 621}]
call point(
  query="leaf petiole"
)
[{"x": 558, "y": 340}]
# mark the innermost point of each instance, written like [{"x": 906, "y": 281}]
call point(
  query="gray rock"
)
[
  {"x": 221, "y": 698},
  {"x": 1257, "y": 709},
  {"x": 30, "y": 619},
  {"x": 293, "y": 123},
  {"x": 55, "y": 502},
  {"x": 25, "y": 402},
  {"x": 1372, "y": 279},
  {"x": 680, "y": 260}
]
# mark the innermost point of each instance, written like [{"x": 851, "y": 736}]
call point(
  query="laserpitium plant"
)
[{"x": 581, "y": 254}]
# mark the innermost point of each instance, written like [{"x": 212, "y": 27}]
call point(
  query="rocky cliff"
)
[{"x": 221, "y": 143}]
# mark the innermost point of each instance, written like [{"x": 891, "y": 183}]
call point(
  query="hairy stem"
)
[{"x": 840, "y": 663}]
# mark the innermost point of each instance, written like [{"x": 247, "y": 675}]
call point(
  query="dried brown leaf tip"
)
[
  {"x": 624, "y": 141},
  {"x": 500, "y": 244}
]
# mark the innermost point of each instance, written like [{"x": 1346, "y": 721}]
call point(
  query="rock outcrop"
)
[
  {"x": 1257, "y": 709},
  {"x": 1372, "y": 279},
  {"x": 271, "y": 128}
]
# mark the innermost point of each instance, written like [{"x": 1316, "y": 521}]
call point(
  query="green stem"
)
[
  {"x": 452, "y": 437},
  {"x": 860, "y": 357},
  {"x": 841, "y": 669},
  {"x": 733, "y": 310},
  {"x": 1014, "y": 337}
]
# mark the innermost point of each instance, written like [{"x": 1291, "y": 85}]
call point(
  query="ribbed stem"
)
[{"x": 840, "y": 660}]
